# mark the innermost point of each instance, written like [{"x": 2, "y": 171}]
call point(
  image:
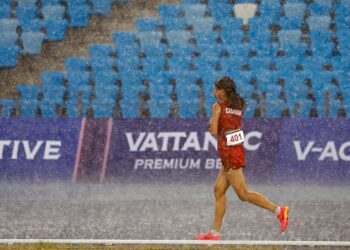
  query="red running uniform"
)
[{"x": 230, "y": 119}]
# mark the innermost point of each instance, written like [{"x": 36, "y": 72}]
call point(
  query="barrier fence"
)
[{"x": 97, "y": 150}]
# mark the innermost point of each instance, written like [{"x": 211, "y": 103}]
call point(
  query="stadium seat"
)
[
  {"x": 105, "y": 79},
  {"x": 32, "y": 42},
  {"x": 8, "y": 56},
  {"x": 150, "y": 38},
  {"x": 159, "y": 108},
  {"x": 295, "y": 11},
  {"x": 53, "y": 12},
  {"x": 50, "y": 2},
  {"x": 52, "y": 78},
  {"x": 5, "y": 10},
  {"x": 174, "y": 24},
  {"x": 6, "y": 107},
  {"x": 102, "y": 7},
  {"x": 79, "y": 15},
  {"x": 289, "y": 37},
  {"x": 8, "y": 38},
  {"x": 124, "y": 39},
  {"x": 129, "y": 108},
  {"x": 28, "y": 92},
  {"x": 191, "y": 1},
  {"x": 55, "y": 29},
  {"x": 32, "y": 26},
  {"x": 26, "y": 12},
  {"x": 220, "y": 11},
  {"x": 77, "y": 79},
  {"x": 320, "y": 7},
  {"x": 178, "y": 37},
  {"x": 319, "y": 22},
  {"x": 76, "y": 63},
  {"x": 193, "y": 11},
  {"x": 169, "y": 11},
  {"x": 8, "y": 24},
  {"x": 147, "y": 24},
  {"x": 270, "y": 8},
  {"x": 202, "y": 24}
]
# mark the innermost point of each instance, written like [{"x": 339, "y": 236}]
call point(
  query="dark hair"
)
[{"x": 234, "y": 99}]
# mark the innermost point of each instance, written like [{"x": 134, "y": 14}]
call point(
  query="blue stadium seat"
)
[
  {"x": 8, "y": 38},
  {"x": 105, "y": 79},
  {"x": 8, "y": 24},
  {"x": 28, "y": 93},
  {"x": 289, "y": 37},
  {"x": 191, "y": 1},
  {"x": 286, "y": 23},
  {"x": 159, "y": 108},
  {"x": 270, "y": 8},
  {"x": 174, "y": 24},
  {"x": 295, "y": 11},
  {"x": 320, "y": 7},
  {"x": 100, "y": 50},
  {"x": 153, "y": 64},
  {"x": 102, "y": 7},
  {"x": 259, "y": 29},
  {"x": 124, "y": 39},
  {"x": 319, "y": 22},
  {"x": 75, "y": 2},
  {"x": 147, "y": 24},
  {"x": 193, "y": 11},
  {"x": 252, "y": 105},
  {"x": 53, "y": 12},
  {"x": 76, "y": 63},
  {"x": 78, "y": 105},
  {"x": 55, "y": 29},
  {"x": 32, "y": 42},
  {"x": 274, "y": 106},
  {"x": 129, "y": 108},
  {"x": 221, "y": 11},
  {"x": 202, "y": 24},
  {"x": 48, "y": 108},
  {"x": 50, "y": 2},
  {"x": 322, "y": 44},
  {"x": 286, "y": 63},
  {"x": 178, "y": 37},
  {"x": 169, "y": 10},
  {"x": 305, "y": 108},
  {"x": 6, "y": 107},
  {"x": 188, "y": 108},
  {"x": 27, "y": 2},
  {"x": 8, "y": 56},
  {"x": 79, "y": 16},
  {"x": 232, "y": 37},
  {"x": 52, "y": 78},
  {"x": 32, "y": 25},
  {"x": 5, "y": 10},
  {"x": 206, "y": 38},
  {"x": 77, "y": 79},
  {"x": 26, "y": 13},
  {"x": 150, "y": 38},
  {"x": 261, "y": 62}
]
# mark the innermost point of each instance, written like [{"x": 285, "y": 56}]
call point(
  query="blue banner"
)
[{"x": 38, "y": 149}]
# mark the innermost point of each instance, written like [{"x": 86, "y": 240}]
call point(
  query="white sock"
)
[
  {"x": 214, "y": 232},
  {"x": 277, "y": 211}
]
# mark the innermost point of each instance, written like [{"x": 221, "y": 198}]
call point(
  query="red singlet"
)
[{"x": 230, "y": 119}]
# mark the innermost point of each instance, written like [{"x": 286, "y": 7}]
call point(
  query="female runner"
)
[{"x": 226, "y": 124}]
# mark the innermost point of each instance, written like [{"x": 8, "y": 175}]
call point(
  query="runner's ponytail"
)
[{"x": 234, "y": 99}]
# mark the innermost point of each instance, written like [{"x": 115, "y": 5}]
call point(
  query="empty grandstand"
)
[{"x": 289, "y": 59}]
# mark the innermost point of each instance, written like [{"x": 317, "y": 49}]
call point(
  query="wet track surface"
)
[{"x": 167, "y": 211}]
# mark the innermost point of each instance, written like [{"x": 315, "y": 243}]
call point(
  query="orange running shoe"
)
[
  {"x": 283, "y": 218},
  {"x": 208, "y": 236}
]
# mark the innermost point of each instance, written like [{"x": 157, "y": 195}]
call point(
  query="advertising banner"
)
[
  {"x": 38, "y": 149},
  {"x": 314, "y": 150},
  {"x": 184, "y": 149}
]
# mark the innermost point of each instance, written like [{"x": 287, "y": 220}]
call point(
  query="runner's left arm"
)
[{"x": 214, "y": 120}]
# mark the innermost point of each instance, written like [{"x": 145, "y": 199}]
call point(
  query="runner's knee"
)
[
  {"x": 218, "y": 192},
  {"x": 243, "y": 195}
]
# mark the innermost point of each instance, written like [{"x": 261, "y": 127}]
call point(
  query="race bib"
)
[{"x": 234, "y": 138}]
